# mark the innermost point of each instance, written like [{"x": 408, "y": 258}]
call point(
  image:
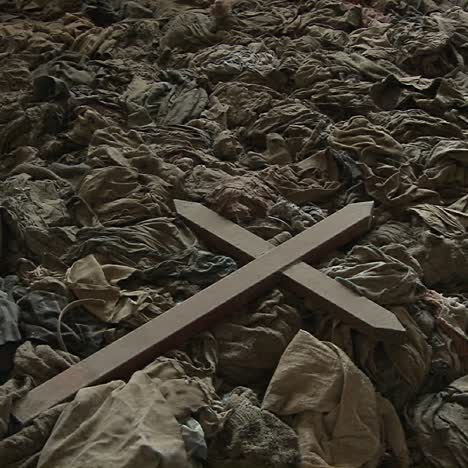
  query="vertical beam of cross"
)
[
  {"x": 139, "y": 347},
  {"x": 357, "y": 311}
]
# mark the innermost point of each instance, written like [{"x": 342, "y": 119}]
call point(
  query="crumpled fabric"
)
[
  {"x": 285, "y": 219},
  {"x": 242, "y": 198},
  {"x": 297, "y": 188},
  {"x": 399, "y": 371},
  {"x": 439, "y": 256},
  {"x": 140, "y": 245},
  {"x": 445, "y": 326},
  {"x": 171, "y": 102},
  {"x": 33, "y": 365},
  {"x": 38, "y": 309},
  {"x": 191, "y": 30},
  {"x": 239, "y": 103},
  {"x": 250, "y": 344},
  {"x": 252, "y": 436},
  {"x": 370, "y": 143},
  {"x": 9, "y": 330},
  {"x": 343, "y": 99},
  {"x": 445, "y": 165},
  {"x": 437, "y": 424},
  {"x": 52, "y": 78},
  {"x": 10, "y": 333},
  {"x": 149, "y": 407},
  {"x": 199, "y": 267},
  {"x": 142, "y": 157},
  {"x": 29, "y": 233},
  {"x": 442, "y": 259},
  {"x": 387, "y": 276},
  {"x": 132, "y": 412},
  {"x": 202, "y": 181},
  {"x": 446, "y": 221},
  {"x": 153, "y": 254},
  {"x": 22, "y": 449},
  {"x": 274, "y": 114},
  {"x": 104, "y": 12},
  {"x": 31, "y": 208},
  {"x": 90, "y": 280},
  {"x": 383, "y": 161},
  {"x": 127, "y": 196},
  {"x": 80, "y": 332},
  {"x": 289, "y": 120},
  {"x": 336, "y": 413},
  {"x": 230, "y": 61},
  {"x": 408, "y": 126},
  {"x": 194, "y": 439}
]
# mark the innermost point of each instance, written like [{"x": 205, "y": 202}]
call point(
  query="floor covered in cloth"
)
[{"x": 275, "y": 114}]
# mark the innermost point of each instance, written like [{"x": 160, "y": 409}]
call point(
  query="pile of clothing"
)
[{"x": 275, "y": 114}]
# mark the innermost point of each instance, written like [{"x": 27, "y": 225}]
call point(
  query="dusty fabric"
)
[
  {"x": 251, "y": 343},
  {"x": 387, "y": 276},
  {"x": 297, "y": 187},
  {"x": 286, "y": 219},
  {"x": 22, "y": 449},
  {"x": 140, "y": 419},
  {"x": 431, "y": 417},
  {"x": 335, "y": 408},
  {"x": 447, "y": 337},
  {"x": 127, "y": 195},
  {"x": 252, "y": 436},
  {"x": 32, "y": 366},
  {"x": 34, "y": 313},
  {"x": 9, "y": 331},
  {"x": 89, "y": 280},
  {"x": 274, "y": 114},
  {"x": 41, "y": 311},
  {"x": 398, "y": 371},
  {"x": 94, "y": 406},
  {"x": 31, "y": 210},
  {"x": 242, "y": 198},
  {"x": 442, "y": 220},
  {"x": 442, "y": 259},
  {"x": 140, "y": 245}
]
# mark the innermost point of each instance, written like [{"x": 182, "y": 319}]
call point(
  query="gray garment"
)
[{"x": 439, "y": 427}]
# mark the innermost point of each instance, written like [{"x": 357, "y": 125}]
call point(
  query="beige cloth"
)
[
  {"x": 22, "y": 449},
  {"x": 116, "y": 425},
  {"x": 33, "y": 366},
  {"x": 337, "y": 414},
  {"x": 134, "y": 424},
  {"x": 398, "y": 370},
  {"x": 90, "y": 280}
]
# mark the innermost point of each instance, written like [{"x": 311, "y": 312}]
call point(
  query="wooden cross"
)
[{"x": 266, "y": 265}]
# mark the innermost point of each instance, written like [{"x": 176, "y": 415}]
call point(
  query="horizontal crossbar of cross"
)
[
  {"x": 268, "y": 265},
  {"x": 304, "y": 280}
]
